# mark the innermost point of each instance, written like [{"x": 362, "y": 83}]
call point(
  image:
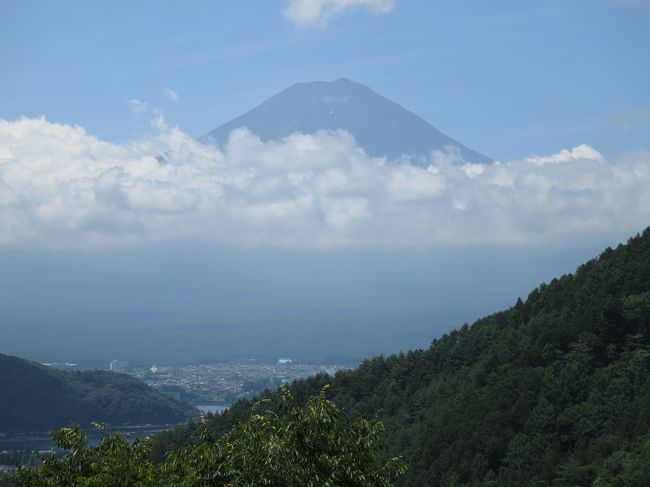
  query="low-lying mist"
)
[{"x": 171, "y": 305}]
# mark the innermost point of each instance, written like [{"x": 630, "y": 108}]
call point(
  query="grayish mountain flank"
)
[{"x": 380, "y": 126}]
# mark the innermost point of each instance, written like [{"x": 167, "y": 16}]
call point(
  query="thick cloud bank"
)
[{"x": 61, "y": 187}]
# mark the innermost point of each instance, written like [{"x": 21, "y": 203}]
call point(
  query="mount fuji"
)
[{"x": 380, "y": 126}]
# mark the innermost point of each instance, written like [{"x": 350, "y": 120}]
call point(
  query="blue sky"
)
[{"x": 508, "y": 78}]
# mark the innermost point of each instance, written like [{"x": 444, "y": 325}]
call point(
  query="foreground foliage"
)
[
  {"x": 553, "y": 391},
  {"x": 314, "y": 445}
]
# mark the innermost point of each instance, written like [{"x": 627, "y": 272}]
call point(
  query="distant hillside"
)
[
  {"x": 37, "y": 398},
  {"x": 553, "y": 391},
  {"x": 380, "y": 126}
]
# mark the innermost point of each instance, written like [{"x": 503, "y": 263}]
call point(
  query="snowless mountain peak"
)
[{"x": 380, "y": 126}]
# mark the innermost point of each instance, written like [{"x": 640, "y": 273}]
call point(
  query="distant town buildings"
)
[
  {"x": 225, "y": 383},
  {"x": 119, "y": 365}
]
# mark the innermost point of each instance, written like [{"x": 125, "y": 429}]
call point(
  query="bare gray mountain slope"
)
[{"x": 380, "y": 126}]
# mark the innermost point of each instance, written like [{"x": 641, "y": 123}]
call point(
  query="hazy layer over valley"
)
[{"x": 174, "y": 305}]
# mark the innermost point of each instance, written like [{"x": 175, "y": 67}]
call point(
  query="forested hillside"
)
[
  {"x": 553, "y": 391},
  {"x": 37, "y": 398}
]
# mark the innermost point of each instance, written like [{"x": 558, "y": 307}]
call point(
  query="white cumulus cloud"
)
[
  {"x": 582, "y": 152},
  {"x": 172, "y": 95},
  {"x": 138, "y": 106},
  {"x": 320, "y": 12},
  {"x": 62, "y": 187}
]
